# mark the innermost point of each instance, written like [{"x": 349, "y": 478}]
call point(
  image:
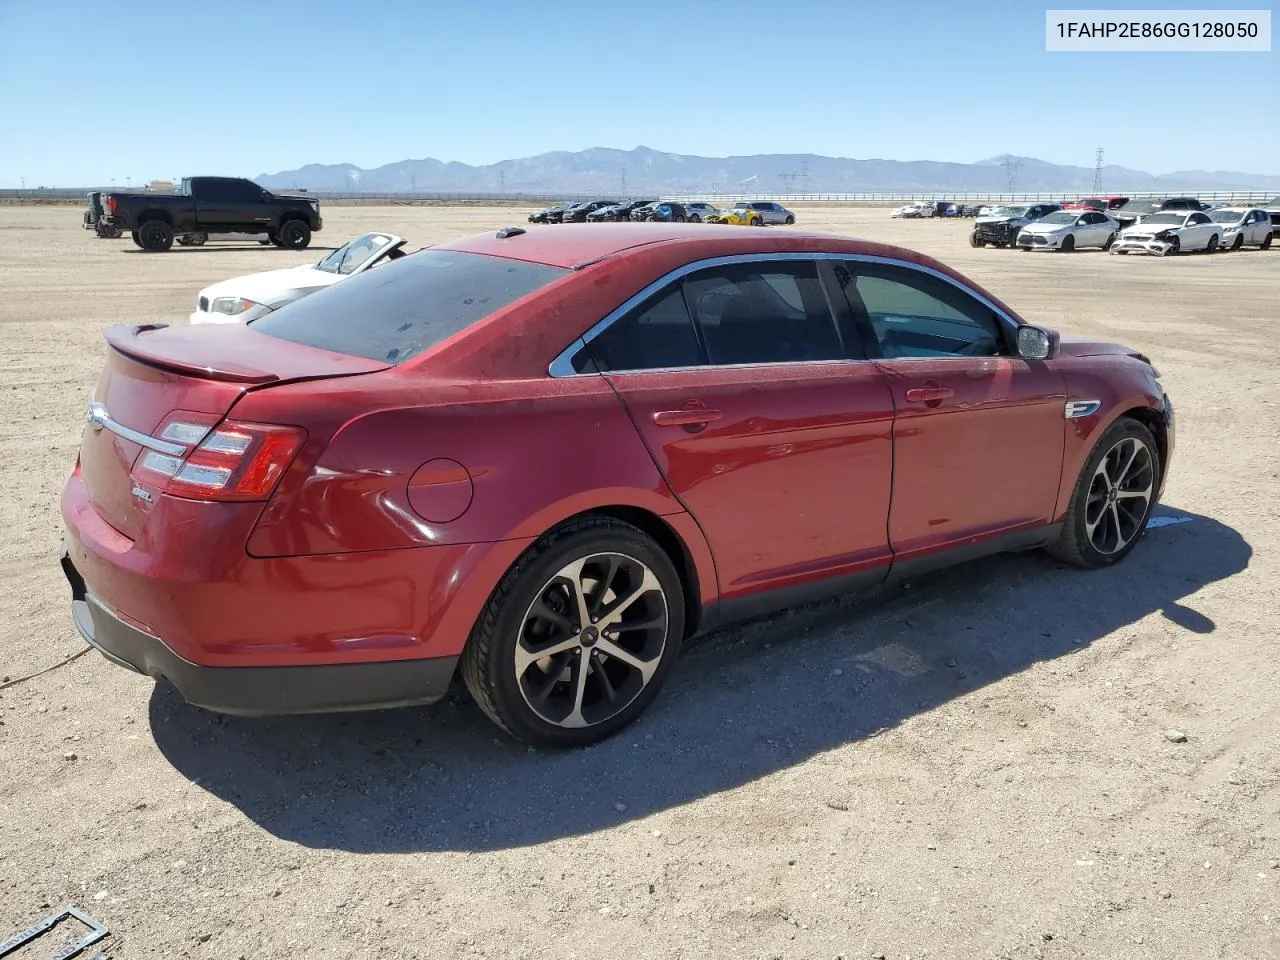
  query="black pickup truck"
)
[{"x": 208, "y": 205}]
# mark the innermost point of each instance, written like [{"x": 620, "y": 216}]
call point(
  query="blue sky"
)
[{"x": 102, "y": 90}]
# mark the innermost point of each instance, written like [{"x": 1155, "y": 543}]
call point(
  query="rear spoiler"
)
[{"x": 127, "y": 340}]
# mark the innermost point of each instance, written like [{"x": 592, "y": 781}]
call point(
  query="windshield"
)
[
  {"x": 1062, "y": 216},
  {"x": 1143, "y": 206},
  {"x": 349, "y": 259},
  {"x": 1007, "y": 212},
  {"x": 1159, "y": 218},
  {"x": 399, "y": 310},
  {"x": 1226, "y": 215}
]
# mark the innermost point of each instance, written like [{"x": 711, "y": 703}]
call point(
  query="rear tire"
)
[
  {"x": 1100, "y": 527},
  {"x": 547, "y": 678},
  {"x": 756, "y": 221},
  {"x": 137, "y": 240},
  {"x": 694, "y": 218},
  {"x": 155, "y": 236},
  {"x": 294, "y": 235}
]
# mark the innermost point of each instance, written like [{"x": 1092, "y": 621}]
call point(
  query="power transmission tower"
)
[
  {"x": 1010, "y": 165},
  {"x": 624, "y": 180},
  {"x": 1097, "y": 172},
  {"x": 788, "y": 179},
  {"x": 502, "y": 181},
  {"x": 804, "y": 176}
]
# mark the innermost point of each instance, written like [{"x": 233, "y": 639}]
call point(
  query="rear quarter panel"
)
[{"x": 531, "y": 453}]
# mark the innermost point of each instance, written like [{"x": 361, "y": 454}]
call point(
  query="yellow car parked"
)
[{"x": 740, "y": 216}]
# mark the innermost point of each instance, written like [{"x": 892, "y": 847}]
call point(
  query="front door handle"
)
[
  {"x": 688, "y": 417},
  {"x": 932, "y": 393}
]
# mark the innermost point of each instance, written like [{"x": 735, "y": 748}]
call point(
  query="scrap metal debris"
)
[{"x": 96, "y": 932}]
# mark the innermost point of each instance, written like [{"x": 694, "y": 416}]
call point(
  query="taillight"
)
[
  {"x": 235, "y": 461},
  {"x": 111, "y": 203}
]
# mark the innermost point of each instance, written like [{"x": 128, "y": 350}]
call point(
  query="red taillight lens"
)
[
  {"x": 111, "y": 203},
  {"x": 236, "y": 461}
]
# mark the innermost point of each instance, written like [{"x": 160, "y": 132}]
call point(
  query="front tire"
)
[
  {"x": 694, "y": 218},
  {"x": 790, "y": 220},
  {"x": 1266, "y": 243},
  {"x": 155, "y": 236},
  {"x": 294, "y": 235},
  {"x": 1113, "y": 498},
  {"x": 578, "y": 636},
  {"x": 1111, "y": 238},
  {"x": 1068, "y": 243},
  {"x": 1212, "y": 245},
  {"x": 974, "y": 241},
  {"x": 1238, "y": 242}
]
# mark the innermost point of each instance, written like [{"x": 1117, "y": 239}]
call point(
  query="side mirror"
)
[{"x": 1037, "y": 343}]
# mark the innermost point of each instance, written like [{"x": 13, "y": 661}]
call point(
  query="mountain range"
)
[{"x": 601, "y": 170}]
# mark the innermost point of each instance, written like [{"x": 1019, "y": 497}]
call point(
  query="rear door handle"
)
[
  {"x": 690, "y": 417},
  {"x": 930, "y": 393}
]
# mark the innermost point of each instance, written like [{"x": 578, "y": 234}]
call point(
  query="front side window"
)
[
  {"x": 1198, "y": 218},
  {"x": 913, "y": 314}
]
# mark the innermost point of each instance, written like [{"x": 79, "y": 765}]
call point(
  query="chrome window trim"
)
[{"x": 562, "y": 365}]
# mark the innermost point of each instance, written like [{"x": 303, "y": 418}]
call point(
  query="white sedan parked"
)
[
  {"x": 246, "y": 298},
  {"x": 1069, "y": 230},
  {"x": 914, "y": 211},
  {"x": 1243, "y": 227},
  {"x": 1170, "y": 232}
]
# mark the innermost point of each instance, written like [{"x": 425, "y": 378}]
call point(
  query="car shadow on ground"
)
[{"x": 742, "y": 704}]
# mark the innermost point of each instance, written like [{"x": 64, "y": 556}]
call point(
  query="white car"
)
[
  {"x": 1170, "y": 232},
  {"x": 244, "y": 299},
  {"x": 1069, "y": 230},
  {"x": 912, "y": 211},
  {"x": 1243, "y": 227}
]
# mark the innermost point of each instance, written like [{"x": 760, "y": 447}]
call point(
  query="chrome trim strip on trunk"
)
[{"x": 97, "y": 418}]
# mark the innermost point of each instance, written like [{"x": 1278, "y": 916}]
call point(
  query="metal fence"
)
[{"x": 871, "y": 198}]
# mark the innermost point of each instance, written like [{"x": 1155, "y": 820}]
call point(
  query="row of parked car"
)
[
  {"x": 1159, "y": 226},
  {"x": 749, "y": 213}
]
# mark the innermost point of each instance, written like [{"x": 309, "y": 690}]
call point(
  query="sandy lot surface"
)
[{"x": 975, "y": 767}]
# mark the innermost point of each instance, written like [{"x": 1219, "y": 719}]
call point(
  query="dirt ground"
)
[{"x": 974, "y": 767}]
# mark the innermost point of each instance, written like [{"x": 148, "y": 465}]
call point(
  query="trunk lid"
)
[{"x": 153, "y": 371}]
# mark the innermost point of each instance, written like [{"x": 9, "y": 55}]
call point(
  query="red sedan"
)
[{"x": 545, "y": 459}]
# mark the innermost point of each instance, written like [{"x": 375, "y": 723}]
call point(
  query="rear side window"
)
[
  {"x": 399, "y": 310},
  {"x": 657, "y": 335}
]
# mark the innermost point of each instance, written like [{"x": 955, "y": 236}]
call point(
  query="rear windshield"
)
[{"x": 397, "y": 310}]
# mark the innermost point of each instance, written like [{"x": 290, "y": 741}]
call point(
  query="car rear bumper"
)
[
  {"x": 256, "y": 691},
  {"x": 188, "y": 577}
]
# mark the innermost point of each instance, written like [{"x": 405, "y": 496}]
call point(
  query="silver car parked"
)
[{"x": 769, "y": 211}]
